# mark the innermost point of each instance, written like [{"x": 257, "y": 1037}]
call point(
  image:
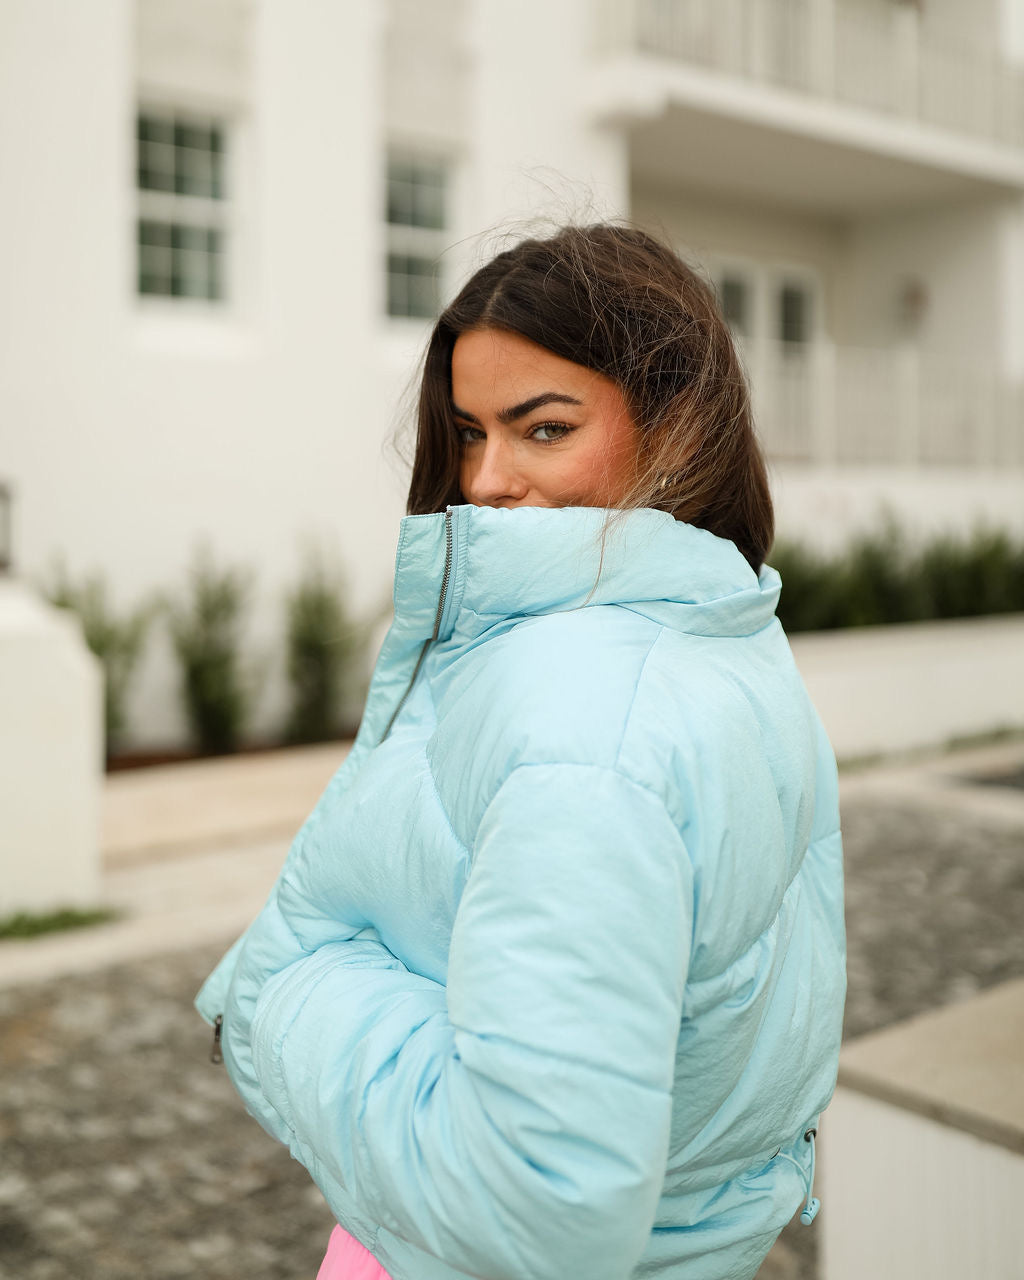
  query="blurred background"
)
[{"x": 227, "y": 227}]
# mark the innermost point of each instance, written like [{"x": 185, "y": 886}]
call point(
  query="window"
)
[
  {"x": 416, "y": 220},
  {"x": 181, "y": 226},
  {"x": 794, "y": 303},
  {"x": 734, "y": 298}
]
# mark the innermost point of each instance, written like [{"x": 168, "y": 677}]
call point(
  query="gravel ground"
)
[{"x": 126, "y": 1154}]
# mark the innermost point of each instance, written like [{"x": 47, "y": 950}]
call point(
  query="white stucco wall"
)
[
  {"x": 1011, "y": 280},
  {"x": 534, "y": 150},
  {"x": 953, "y": 251},
  {"x": 131, "y": 432},
  {"x": 1011, "y": 28},
  {"x": 427, "y": 73}
]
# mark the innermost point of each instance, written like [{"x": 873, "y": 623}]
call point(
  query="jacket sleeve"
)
[{"x": 515, "y": 1124}]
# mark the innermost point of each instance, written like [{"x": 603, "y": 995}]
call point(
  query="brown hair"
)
[{"x": 619, "y": 301}]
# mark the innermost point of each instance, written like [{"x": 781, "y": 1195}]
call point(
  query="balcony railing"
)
[
  {"x": 884, "y": 59},
  {"x": 827, "y": 405}
]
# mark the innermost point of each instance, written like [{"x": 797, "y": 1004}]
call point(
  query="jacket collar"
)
[{"x": 462, "y": 571}]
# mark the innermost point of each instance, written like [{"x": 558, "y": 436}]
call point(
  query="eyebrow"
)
[{"x": 521, "y": 410}]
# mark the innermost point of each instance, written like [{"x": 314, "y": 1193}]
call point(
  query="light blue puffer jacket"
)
[{"x": 551, "y": 983}]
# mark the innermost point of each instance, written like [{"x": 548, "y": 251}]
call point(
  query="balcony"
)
[
  {"x": 835, "y": 105},
  {"x": 879, "y": 60},
  {"x": 838, "y": 405}
]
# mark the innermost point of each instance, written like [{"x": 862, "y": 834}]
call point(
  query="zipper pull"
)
[
  {"x": 215, "y": 1054},
  {"x": 813, "y": 1204}
]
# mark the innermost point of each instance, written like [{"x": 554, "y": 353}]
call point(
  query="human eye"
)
[
  {"x": 549, "y": 432},
  {"x": 468, "y": 435}
]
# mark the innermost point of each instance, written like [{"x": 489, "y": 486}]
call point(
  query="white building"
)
[{"x": 221, "y": 219}]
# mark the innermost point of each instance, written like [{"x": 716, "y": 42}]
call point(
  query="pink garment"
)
[{"x": 346, "y": 1259}]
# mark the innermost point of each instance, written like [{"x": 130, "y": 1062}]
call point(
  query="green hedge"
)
[
  {"x": 117, "y": 640},
  {"x": 207, "y": 622},
  {"x": 883, "y": 577},
  {"x": 323, "y": 649}
]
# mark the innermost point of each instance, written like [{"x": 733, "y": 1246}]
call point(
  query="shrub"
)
[
  {"x": 322, "y": 644},
  {"x": 205, "y": 627},
  {"x": 984, "y": 574},
  {"x": 880, "y": 578},
  {"x": 117, "y": 642},
  {"x": 810, "y": 594},
  {"x": 876, "y": 580}
]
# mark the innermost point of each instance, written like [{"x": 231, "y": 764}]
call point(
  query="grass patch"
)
[{"x": 27, "y": 924}]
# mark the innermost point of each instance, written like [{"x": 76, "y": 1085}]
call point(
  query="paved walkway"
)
[
  {"x": 189, "y": 854},
  {"x": 126, "y": 1154}
]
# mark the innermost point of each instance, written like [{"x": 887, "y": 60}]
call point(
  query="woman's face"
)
[{"x": 537, "y": 430}]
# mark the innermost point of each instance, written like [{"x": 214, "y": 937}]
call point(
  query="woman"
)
[{"x": 551, "y": 983}]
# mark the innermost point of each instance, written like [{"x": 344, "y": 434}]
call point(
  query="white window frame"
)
[{"x": 206, "y": 212}]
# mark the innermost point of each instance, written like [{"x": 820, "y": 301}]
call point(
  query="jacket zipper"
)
[
  {"x": 215, "y": 1053},
  {"x": 449, "y": 552}
]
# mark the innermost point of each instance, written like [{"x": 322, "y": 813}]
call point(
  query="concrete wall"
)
[
  {"x": 51, "y": 758},
  {"x": 825, "y": 507},
  {"x": 903, "y": 1195},
  {"x": 888, "y": 689}
]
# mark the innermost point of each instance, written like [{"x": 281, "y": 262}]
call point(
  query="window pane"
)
[
  {"x": 190, "y": 273},
  {"x": 399, "y": 203},
  {"x": 191, "y": 238},
  {"x": 192, "y": 136},
  {"x": 152, "y": 128},
  {"x": 415, "y": 194},
  {"x": 214, "y": 267},
  {"x": 180, "y": 260},
  {"x": 158, "y": 233},
  {"x": 156, "y": 166},
  {"x": 734, "y": 295},
  {"x": 794, "y": 314},
  {"x": 398, "y": 295},
  {"x": 428, "y": 206},
  {"x": 196, "y": 169},
  {"x": 423, "y": 297},
  {"x": 154, "y": 257},
  {"x": 400, "y": 170},
  {"x": 413, "y": 286}
]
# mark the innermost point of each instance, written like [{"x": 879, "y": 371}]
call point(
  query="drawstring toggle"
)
[{"x": 810, "y": 1209}]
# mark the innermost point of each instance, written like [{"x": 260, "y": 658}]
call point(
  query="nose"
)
[{"x": 493, "y": 478}]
